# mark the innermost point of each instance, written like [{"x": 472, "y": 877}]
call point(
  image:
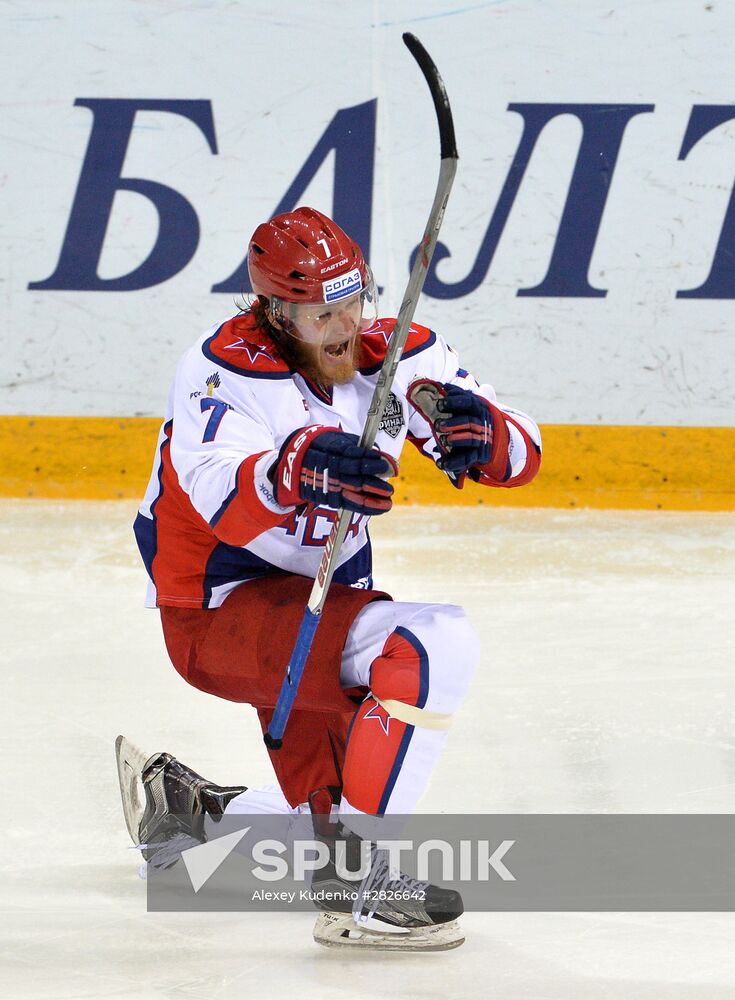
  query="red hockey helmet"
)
[
  {"x": 302, "y": 259},
  {"x": 302, "y": 256}
]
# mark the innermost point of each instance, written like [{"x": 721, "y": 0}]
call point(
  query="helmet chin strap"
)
[
  {"x": 272, "y": 319},
  {"x": 277, "y": 324}
]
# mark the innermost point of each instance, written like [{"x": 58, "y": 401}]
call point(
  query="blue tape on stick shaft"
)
[{"x": 290, "y": 686}]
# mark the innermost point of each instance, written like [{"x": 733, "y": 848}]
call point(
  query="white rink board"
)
[
  {"x": 605, "y": 686},
  {"x": 275, "y": 80}
]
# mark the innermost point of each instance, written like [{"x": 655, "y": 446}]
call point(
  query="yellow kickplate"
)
[{"x": 665, "y": 468}]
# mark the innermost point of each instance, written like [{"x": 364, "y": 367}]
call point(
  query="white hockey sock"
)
[{"x": 266, "y": 800}]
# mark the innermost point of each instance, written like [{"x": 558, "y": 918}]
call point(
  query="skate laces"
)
[{"x": 381, "y": 879}]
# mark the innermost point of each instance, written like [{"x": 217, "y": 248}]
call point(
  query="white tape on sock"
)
[{"x": 415, "y": 716}]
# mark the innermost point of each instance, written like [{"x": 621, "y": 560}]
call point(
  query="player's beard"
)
[{"x": 313, "y": 361}]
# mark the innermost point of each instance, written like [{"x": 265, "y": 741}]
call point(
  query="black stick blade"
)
[{"x": 438, "y": 94}]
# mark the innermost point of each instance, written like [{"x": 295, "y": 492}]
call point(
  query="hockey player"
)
[{"x": 257, "y": 453}]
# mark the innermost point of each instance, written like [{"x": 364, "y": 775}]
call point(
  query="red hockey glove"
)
[
  {"x": 325, "y": 466},
  {"x": 461, "y": 421}
]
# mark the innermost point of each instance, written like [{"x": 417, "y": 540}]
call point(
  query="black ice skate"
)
[
  {"x": 165, "y": 803},
  {"x": 384, "y": 911}
]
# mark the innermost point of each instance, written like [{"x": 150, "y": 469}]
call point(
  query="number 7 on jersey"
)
[{"x": 218, "y": 409}]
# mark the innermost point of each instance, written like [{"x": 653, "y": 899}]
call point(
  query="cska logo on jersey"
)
[
  {"x": 379, "y": 713},
  {"x": 392, "y": 417},
  {"x": 253, "y": 351}
]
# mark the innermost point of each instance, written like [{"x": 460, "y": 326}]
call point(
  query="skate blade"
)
[
  {"x": 339, "y": 930},
  {"x": 131, "y": 762}
]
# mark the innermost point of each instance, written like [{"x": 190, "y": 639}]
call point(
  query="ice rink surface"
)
[{"x": 607, "y": 685}]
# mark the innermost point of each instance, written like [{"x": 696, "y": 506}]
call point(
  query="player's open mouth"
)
[{"x": 337, "y": 351}]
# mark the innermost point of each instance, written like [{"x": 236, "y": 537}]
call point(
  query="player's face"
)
[
  {"x": 325, "y": 336},
  {"x": 329, "y": 337}
]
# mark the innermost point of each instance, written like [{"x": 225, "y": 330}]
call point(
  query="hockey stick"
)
[{"x": 312, "y": 613}]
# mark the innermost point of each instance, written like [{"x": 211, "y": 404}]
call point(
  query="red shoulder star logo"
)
[
  {"x": 379, "y": 713},
  {"x": 254, "y": 351}
]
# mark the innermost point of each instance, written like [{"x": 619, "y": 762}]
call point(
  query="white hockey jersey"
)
[{"x": 209, "y": 520}]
